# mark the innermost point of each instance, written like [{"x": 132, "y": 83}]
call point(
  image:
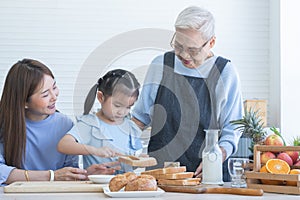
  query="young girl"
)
[
  {"x": 109, "y": 132},
  {"x": 30, "y": 128}
]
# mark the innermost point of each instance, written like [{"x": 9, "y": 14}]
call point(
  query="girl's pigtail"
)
[{"x": 90, "y": 99}]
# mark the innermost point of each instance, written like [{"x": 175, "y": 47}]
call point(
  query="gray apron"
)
[{"x": 183, "y": 109}]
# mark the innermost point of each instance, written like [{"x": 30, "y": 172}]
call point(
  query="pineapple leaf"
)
[
  {"x": 251, "y": 125},
  {"x": 275, "y": 131},
  {"x": 296, "y": 141}
]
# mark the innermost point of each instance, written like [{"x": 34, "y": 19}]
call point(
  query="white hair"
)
[{"x": 198, "y": 19}]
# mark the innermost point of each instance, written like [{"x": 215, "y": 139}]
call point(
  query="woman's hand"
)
[
  {"x": 105, "y": 168},
  {"x": 70, "y": 174}
]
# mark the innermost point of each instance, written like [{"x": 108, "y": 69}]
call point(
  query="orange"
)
[
  {"x": 263, "y": 169},
  {"x": 293, "y": 183},
  {"x": 277, "y": 166}
]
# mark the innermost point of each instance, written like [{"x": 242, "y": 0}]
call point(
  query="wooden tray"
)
[
  {"x": 253, "y": 182},
  {"x": 55, "y": 186},
  {"x": 254, "y": 177},
  {"x": 258, "y": 149}
]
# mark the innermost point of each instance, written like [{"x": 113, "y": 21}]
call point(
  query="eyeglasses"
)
[{"x": 192, "y": 51}]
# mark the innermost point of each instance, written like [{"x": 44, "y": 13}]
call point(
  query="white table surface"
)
[{"x": 165, "y": 196}]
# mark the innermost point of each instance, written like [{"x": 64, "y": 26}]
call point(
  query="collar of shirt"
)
[
  {"x": 201, "y": 72},
  {"x": 100, "y": 127}
]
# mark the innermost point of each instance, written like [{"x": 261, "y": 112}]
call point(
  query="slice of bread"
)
[
  {"x": 188, "y": 181},
  {"x": 181, "y": 175},
  {"x": 167, "y": 170},
  {"x": 139, "y": 161}
]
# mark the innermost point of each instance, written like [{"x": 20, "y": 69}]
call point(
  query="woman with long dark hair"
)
[{"x": 30, "y": 128}]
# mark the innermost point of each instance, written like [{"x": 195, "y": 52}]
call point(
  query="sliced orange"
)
[
  {"x": 277, "y": 166},
  {"x": 293, "y": 171},
  {"x": 263, "y": 169}
]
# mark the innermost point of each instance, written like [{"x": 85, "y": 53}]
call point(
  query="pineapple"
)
[
  {"x": 296, "y": 141},
  {"x": 251, "y": 126}
]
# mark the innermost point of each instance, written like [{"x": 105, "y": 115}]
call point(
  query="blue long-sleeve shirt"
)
[{"x": 228, "y": 93}]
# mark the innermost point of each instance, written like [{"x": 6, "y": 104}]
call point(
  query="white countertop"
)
[{"x": 165, "y": 196}]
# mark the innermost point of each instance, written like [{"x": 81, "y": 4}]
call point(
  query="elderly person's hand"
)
[{"x": 198, "y": 172}]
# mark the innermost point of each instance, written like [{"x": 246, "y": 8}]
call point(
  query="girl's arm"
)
[{"x": 69, "y": 145}]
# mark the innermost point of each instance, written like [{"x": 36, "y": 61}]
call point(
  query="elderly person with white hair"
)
[{"x": 188, "y": 90}]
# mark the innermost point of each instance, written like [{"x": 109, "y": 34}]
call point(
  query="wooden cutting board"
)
[
  {"x": 216, "y": 190},
  {"x": 54, "y": 186}
]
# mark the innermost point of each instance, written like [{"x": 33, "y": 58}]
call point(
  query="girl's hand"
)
[
  {"x": 106, "y": 152},
  {"x": 70, "y": 174}
]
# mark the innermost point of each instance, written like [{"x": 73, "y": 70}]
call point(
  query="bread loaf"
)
[
  {"x": 167, "y": 170},
  {"x": 181, "y": 175},
  {"x": 173, "y": 176},
  {"x": 188, "y": 181}
]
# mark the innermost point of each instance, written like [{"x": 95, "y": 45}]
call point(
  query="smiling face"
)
[
  {"x": 193, "y": 49},
  {"x": 42, "y": 103},
  {"x": 114, "y": 108}
]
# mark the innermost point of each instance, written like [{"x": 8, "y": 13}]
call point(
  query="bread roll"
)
[
  {"x": 132, "y": 182},
  {"x": 130, "y": 176},
  {"x": 142, "y": 183},
  {"x": 117, "y": 183}
]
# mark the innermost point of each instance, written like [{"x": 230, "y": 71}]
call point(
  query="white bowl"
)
[{"x": 100, "y": 178}]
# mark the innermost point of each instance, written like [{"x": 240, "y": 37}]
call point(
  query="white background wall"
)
[
  {"x": 290, "y": 69},
  {"x": 66, "y": 34}
]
